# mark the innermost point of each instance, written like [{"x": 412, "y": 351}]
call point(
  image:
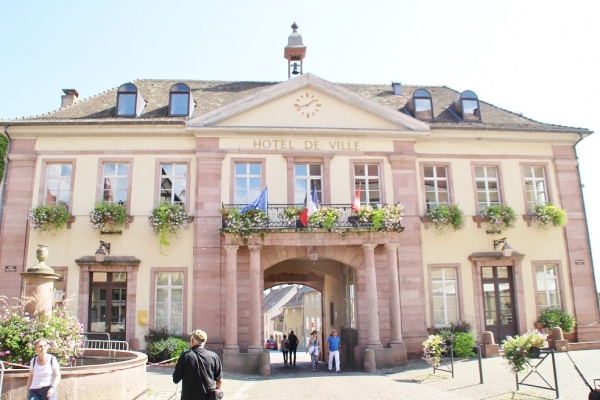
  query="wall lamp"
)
[
  {"x": 313, "y": 255},
  {"x": 102, "y": 251},
  {"x": 506, "y": 249}
]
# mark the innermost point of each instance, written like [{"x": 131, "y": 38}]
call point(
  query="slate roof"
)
[
  {"x": 211, "y": 95},
  {"x": 275, "y": 296}
]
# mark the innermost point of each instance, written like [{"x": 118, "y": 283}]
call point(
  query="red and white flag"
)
[
  {"x": 356, "y": 204},
  {"x": 311, "y": 207}
]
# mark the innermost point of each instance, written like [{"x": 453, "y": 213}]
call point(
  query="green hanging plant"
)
[
  {"x": 108, "y": 216},
  {"x": 167, "y": 221},
  {"x": 500, "y": 218},
  {"x": 49, "y": 218},
  {"x": 443, "y": 217},
  {"x": 547, "y": 215}
]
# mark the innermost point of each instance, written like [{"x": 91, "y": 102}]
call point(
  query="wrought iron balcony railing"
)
[{"x": 282, "y": 216}]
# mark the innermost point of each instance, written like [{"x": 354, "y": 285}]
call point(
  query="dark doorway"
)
[
  {"x": 498, "y": 301},
  {"x": 108, "y": 303}
]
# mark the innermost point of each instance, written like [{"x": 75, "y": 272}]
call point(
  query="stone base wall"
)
[
  {"x": 384, "y": 357},
  {"x": 124, "y": 380},
  {"x": 246, "y": 363}
]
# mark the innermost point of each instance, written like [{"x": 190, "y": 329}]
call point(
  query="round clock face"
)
[{"x": 307, "y": 105}]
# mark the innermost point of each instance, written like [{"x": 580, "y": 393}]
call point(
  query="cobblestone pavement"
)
[{"x": 417, "y": 380}]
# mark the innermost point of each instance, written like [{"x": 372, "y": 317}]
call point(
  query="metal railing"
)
[
  {"x": 1, "y": 376},
  {"x": 276, "y": 218}
]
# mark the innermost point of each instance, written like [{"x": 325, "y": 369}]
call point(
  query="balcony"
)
[{"x": 285, "y": 217}]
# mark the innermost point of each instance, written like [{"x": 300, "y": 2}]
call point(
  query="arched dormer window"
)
[
  {"x": 466, "y": 106},
  {"x": 420, "y": 105},
  {"x": 130, "y": 102},
  {"x": 180, "y": 101}
]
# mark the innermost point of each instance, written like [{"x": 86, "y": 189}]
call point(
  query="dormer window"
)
[
  {"x": 466, "y": 106},
  {"x": 130, "y": 102},
  {"x": 180, "y": 101},
  {"x": 420, "y": 105}
]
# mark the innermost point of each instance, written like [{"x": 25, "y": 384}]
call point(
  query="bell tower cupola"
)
[{"x": 294, "y": 52}]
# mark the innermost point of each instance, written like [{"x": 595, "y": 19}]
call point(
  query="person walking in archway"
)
[
  {"x": 314, "y": 350},
  {"x": 293, "y": 339},
  {"x": 285, "y": 348},
  {"x": 334, "y": 347}
]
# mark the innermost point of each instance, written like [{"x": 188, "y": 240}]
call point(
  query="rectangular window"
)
[
  {"x": 546, "y": 277},
  {"x": 436, "y": 185},
  {"x": 535, "y": 186},
  {"x": 488, "y": 188},
  {"x": 445, "y": 296},
  {"x": 58, "y": 184},
  {"x": 367, "y": 177},
  {"x": 115, "y": 180},
  {"x": 173, "y": 182},
  {"x": 247, "y": 182},
  {"x": 169, "y": 301},
  {"x": 307, "y": 176}
]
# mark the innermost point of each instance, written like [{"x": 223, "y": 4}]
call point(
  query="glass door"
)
[
  {"x": 498, "y": 302},
  {"x": 108, "y": 305}
]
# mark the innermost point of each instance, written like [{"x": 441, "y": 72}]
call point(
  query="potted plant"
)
[
  {"x": 324, "y": 217},
  {"x": 519, "y": 349},
  {"x": 108, "y": 217},
  {"x": 499, "y": 217},
  {"x": 364, "y": 214},
  {"x": 167, "y": 221},
  {"x": 433, "y": 348},
  {"x": 443, "y": 217},
  {"x": 49, "y": 218},
  {"x": 547, "y": 215},
  {"x": 557, "y": 317},
  {"x": 245, "y": 224},
  {"x": 290, "y": 215},
  {"x": 388, "y": 217}
]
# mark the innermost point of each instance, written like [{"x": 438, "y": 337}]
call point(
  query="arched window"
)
[
  {"x": 130, "y": 102},
  {"x": 466, "y": 106},
  {"x": 180, "y": 101},
  {"x": 420, "y": 105}
]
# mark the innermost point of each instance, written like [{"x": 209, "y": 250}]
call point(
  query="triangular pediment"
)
[{"x": 307, "y": 103}]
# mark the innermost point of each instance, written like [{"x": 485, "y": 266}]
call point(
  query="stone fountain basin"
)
[{"x": 113, "y": 374}]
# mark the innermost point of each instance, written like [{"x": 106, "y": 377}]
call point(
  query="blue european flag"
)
[{"x": 260, "y": 203}]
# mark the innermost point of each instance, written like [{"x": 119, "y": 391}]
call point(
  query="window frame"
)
[
  {"x": 320, "y": 189},
  {"x": 354, "y": 187},
  {"x": 420, "y": 94},
  {"x": 325, "y": 163},
  {"x": 459, "y": 298},
  {"x": 560, "y": 284},
  {"x": 124, "y": 90},
  {"x": 498, "y": 167},
  {"x": 233, "y": 163},
  {"x": 158, "y": 180},
  {"x": 44, "y": 179},
  {"x": 180, "y": 88},
  {"x": 152, "y": 304},
  {"x": 449, "y": 182},
  {"x": 100, "y": 178},
  {"x": 545, "y": 169}
]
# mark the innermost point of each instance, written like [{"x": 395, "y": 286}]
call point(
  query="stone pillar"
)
[
  {"x": 231, "y": 312},
  {"x": 558, "y": 340},
  {"x": 255, "y": 345},
  {"x": 394, "y": 293},
  {"x": 371, "y": 296},
  {"x": 489, "y": 347},
  {"x": 39, "y": 285}
]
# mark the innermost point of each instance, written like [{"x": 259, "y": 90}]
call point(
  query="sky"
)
[{"x": 537, "y": 58}]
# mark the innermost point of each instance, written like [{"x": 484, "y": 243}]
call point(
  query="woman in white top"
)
[
  {"x": 44, "y": 373},
  {"x": 314, "y": 350}
]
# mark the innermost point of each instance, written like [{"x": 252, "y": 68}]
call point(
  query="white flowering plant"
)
[
  {"x": 364, "y": 213},
  {"x": 547, "y": 215},
  {"x": 167, "y": 221},
  {"x": 520, "y": 348},
  {"x": 245, "y": 224},
  {"x": 388, "y": 217},
  {"x": 49, "y": 218},
  {"x": 18, "y": 331},
  {"x": 108, "y": 216},
  {"x": 443, "y": 217},
  {"x": 433, "y": 348},
  {"x": 324, "y": 217},
  {"x": 500, "y": 217}
]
